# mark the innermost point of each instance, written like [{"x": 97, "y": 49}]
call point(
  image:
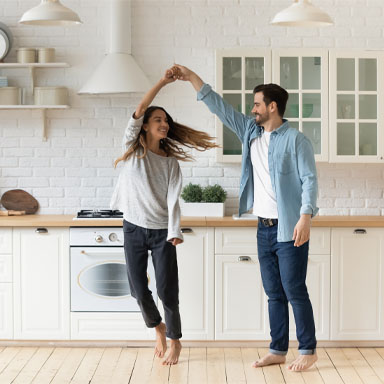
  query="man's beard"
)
[{"x": 261, "y": 118}]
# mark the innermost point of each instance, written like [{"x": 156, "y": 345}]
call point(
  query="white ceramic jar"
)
[
  {"x": 26, "y": 55},
  {"x": 46, "y": 55},
  {"x": 51, "y": 95},
  {"x": 9, "y": 96}
]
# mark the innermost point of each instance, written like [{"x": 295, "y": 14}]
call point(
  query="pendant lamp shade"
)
[
  {"x": 302, "y": 14},
  {"x": 51, "y": 13}
]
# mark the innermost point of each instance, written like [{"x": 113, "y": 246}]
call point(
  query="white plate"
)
[{"x": 5, "y": 40}]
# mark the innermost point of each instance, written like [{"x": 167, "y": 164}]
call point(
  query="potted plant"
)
[{"x": 198, "y": 201}]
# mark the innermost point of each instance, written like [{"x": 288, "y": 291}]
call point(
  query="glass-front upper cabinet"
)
[
  {"x": 304, "y": 74},
  {"x": 356, "y": 113},
  {"x": 237, "y": 73}
]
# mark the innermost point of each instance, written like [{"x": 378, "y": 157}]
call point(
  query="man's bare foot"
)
[
  {"x": 174, "y": 353},
  {"x": 302, "y": 363},
  {"x": 161, "y": 341},
  {"x": 269, "y": 359}
]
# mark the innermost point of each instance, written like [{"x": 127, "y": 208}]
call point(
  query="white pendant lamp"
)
[
  {"x": 302, "y": 14},
  {"x": 51, "y": 13}
]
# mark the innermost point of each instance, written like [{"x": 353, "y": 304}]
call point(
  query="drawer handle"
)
[
  {"x": 41, "y": 230},
  {"x": 186, "y": 230},
  {"x": 244, "y": 258},
  {"x": 360, "y": 231}
]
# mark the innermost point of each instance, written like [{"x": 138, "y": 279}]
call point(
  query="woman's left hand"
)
[
  {"x": 170, "y": 75},
  {"x": 175, "y": 241}
]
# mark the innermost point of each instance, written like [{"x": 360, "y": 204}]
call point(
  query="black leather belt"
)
[{"x": 267, "y": 222}]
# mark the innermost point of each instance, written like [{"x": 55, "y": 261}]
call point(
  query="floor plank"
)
[
  {"x": 375, "y": 360},
  {"x": 143, "y": 366},
  {"x": 234, "y": 366},
  {"x": 343, "y": 366},
  {"x": 327, "y": 370},
  {"x": 124, "y": 367},
  {"x": 179, "y": 372},
  {"x": 197, "y": 373},
  {"x": 16, "y": 365},
  {"x": 252, "y": 375},
  {"x": 69, "y": 367},
  {"x": 33, "y": 366},
  {"x": 363, "y": 369},
  {"x": 88, "y": 366},
  {"x": 6, "y": 356},
  {"x": 106, "y": 365}
]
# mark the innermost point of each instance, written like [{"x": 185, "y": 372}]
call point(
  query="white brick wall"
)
[{"x": 74, "y": 168}]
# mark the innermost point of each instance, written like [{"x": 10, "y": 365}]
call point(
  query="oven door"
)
[{"x": 99, "y": 281}]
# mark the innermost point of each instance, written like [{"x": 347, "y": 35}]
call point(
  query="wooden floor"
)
[{"x": 197, "y": 366}]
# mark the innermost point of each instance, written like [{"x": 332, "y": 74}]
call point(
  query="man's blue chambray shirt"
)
[{"x": 291, "y": 164}]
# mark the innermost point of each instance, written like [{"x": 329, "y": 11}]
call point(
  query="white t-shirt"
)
[{"x": 264, "y": 200}]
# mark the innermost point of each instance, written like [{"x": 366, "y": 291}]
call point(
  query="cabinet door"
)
[
  {"x": 241, "y": 305},
  {"x": 357, "y": 289},
  {"x": 356, "y": 97},
  {"x": 6, "y": 311},
  {"x": 238, "y": 71},
  {"x": 41, "y": 283},
  {"x": 304, "y": 74},
  {"x": 196, "y": 283},
  {"x": 318, "y": 284}
]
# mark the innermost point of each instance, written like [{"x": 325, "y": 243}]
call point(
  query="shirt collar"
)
[{"x": 283, "y": 127}]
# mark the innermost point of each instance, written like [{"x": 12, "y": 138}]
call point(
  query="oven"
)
[{"x": 99, "y": 280}]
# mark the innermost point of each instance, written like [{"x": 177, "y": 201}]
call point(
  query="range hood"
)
[{"x": 118, "y": 72}]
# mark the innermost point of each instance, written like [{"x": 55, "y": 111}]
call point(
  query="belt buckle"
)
[{"x": 268, "y": 222}]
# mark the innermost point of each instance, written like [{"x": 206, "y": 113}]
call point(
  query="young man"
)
[{"x": 278, "y": 180}]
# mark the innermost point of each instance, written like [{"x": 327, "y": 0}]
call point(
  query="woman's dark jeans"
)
[
  {"x": 283, "y": 270},
  {"x": 137, "y": 242}
]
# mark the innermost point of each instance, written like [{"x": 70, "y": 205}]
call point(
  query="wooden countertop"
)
[{"x": 228, "y": 221}]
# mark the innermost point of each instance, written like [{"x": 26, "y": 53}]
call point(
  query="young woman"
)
[{"x": 147, "y": 192}]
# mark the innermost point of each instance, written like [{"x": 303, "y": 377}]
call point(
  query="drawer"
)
[
  {"x": 236, "y": 240},
  {"x": 5, "y": 268},
  {"x": 320, "y": 241},
  {"x": 6, "y": 240}
]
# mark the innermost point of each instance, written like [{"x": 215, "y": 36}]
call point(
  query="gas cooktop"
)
[{"x": 99, "y": 214}]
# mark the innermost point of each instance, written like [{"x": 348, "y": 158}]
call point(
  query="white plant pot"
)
[{"x": 202, "y": 209}]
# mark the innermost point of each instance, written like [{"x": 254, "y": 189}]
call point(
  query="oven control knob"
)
[
  {"x": 113, "y": 237},
  {"x": 98, "y": 238}
]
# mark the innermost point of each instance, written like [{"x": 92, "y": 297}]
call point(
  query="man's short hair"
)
[{"x": 273, "y": 92}]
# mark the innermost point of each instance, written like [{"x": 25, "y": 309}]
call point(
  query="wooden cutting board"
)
[{"x": 19, "y": 200}]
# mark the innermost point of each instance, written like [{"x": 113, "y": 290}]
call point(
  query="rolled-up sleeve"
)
[{"x": 308, "y": 176}]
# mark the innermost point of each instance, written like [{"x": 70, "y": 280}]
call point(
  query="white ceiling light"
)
[
  {"x": 302, "y": 14},
  {"x": 50, "y": 12},
  {"x": 118, "y": 72}
]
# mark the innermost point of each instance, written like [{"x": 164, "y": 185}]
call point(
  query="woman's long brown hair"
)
[{"x": 178, "y": 134}]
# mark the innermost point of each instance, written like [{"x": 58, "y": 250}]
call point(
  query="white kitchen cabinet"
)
[
  {"x": 304, "y": 74},
  {"x": 318, "y": 282},
  {"x": 357, "y": 284},
  {"x": 195, "y": 258},
  {"x": 356, "y": 116},
  {"x": 41, "y": 283},
  {"x": 238, "y": 71},
  {"x": 6, "y": 311},
  {"x": 240, "y": 303}
]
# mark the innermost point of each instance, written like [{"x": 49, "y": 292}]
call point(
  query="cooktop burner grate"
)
[{"x": 99, "y": 214}]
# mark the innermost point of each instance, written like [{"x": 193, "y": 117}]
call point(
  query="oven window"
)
[{"x": 106, "y": 279}]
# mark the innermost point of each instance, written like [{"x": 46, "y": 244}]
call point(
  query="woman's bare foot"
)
[
  {"x": 174, "y": 353},
  {"x": 302, "y": 363},
  {"x": 161, "y": 341},
  {"x": 269, "y": 359}
]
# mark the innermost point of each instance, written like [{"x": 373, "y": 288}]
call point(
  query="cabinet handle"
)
[
  {"x": 244, "y": 258},
  {"x": 360, "y": 231},
  {"x": 41, "y": 230},
  {"x": 186, "y": 230}
]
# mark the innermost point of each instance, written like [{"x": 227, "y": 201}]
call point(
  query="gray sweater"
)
[{"x": 148, "y": 189}]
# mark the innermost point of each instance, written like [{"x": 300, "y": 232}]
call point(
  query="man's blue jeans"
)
[{"x": 283, "y": 271}]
